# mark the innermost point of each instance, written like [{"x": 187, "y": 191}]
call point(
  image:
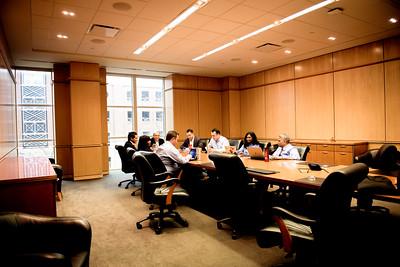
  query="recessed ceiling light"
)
[
  {"x": 287, "y": 51},
  {"x": 68, "y": 13},
  {"x": 254, "y": 61},
  {"x": 121, "y": 6},
  {"x": 62, "y": 36},
  {"x": 332, "y": 38},
  {"x": 393, "y": 20}
]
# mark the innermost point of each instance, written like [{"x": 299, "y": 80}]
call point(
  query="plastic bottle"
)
[{"x": 266, "y": 155}]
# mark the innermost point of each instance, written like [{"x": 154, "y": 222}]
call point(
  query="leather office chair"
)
[
  {"x": 237, "y": 193},
  {"x": 303, "y": 151},
  {"x": 60, "y": 173},
  {"x": 127, "y": 166},
  {"x": 203, "y": 142},
  {"x": 35, "y": 240},
  {"x": 158, "y": 188},
  {"x": 325, "y": 233},
  {"x": 386, "y": 160},
  {"x": 234, "y": 142}
]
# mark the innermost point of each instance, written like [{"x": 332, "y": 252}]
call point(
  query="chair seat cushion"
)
[
  {"x": 163, "y": 191},
  {"x": 296, "y": 230}
]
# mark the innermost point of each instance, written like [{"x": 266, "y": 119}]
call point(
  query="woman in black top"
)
[{"x": 144, "y": 143}]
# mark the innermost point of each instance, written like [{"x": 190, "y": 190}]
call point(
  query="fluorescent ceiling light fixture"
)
[
  {"x": 393, "y": 20},
  {"x": 62, "y": 36},
  {"x": 268, "y": 27},
  {"x": 332, "y": 38},
  {"x": 179, "y": 19}
]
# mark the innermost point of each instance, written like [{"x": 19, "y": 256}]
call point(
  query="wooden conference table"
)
[{"x": 289, "y": 172}]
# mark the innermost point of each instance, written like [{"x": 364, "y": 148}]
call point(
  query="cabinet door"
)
[
  {"x": 325, "y": 157},
  {"x": 343, "y": 158}
]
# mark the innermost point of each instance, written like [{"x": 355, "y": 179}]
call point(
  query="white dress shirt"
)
[
  {"x": 171, "y": 157},
  {"x": 286, "y": 152},
  {"x": 219, "y": 145}
]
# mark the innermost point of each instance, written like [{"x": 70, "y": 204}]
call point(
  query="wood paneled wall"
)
[
  {"x": 8, "y": 126},
  {"x": 353, "y": 94}
]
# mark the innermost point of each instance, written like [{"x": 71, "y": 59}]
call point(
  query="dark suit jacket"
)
[
  {"x": 160, "y": 141},
  {"x": 186, "y": 142},
  {"x": 129, "y": 144}
]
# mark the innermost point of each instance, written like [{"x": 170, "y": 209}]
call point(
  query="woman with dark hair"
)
[
  {"x": 250, "y": 140},
  {"x": 144, "y": 143}
]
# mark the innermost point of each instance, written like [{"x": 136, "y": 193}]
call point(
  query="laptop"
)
[
  {"x": 193, "y": 153},
  {"x": 255, "y": 152}
]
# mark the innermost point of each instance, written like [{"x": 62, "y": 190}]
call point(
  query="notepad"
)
[{"x": 261, "y": 171}]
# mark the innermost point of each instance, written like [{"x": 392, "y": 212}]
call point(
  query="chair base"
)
[
  {"x": 157, "y": 222},
  {"x": 130, "y": 181},
  {"x": 134, "y": 191},
  {"x": 228, "y": 221}
]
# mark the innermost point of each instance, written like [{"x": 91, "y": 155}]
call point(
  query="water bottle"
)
[{"x": 266, "y": 155}]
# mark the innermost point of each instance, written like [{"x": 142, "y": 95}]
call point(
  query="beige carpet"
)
[{"x": 113, "y": 212}]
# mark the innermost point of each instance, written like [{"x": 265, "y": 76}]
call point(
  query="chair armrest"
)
[
  {"x": 162, "y": 175},
  {"x": 166, "y": 181},
  {"x": 283, "y": 213}
]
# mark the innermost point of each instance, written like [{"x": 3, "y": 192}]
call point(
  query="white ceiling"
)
[{"x": 31, "y": 28}]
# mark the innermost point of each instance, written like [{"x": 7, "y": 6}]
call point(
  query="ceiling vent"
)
[
  {"x": 103, "y": 31},
  {"x": 268, "y": 48}
]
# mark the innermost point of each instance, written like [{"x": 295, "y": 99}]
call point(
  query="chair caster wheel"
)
[
  {"x": 139, "y": 226},
  {"x": 235, "y": 236},
  {"x": 185, "y": 223},
  {"x": 133, "y": 193},
  {"x": 157, "y": 230},
  {"x": 119, "y": 185},
  {"x": 219, "y": 226}
]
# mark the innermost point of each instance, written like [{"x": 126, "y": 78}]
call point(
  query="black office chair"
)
[
  {"x": 203, "y": 142},
  {"x": 127, "y": 166},
  {"x": 160, "y": 189},
  {"x": 385, "y": 159},
  {"x": 234, "y": 142},
  {"x": 326, "y": 232},
  {"x": 60, "y": 173},
  {"x": 237, "y": 193},
  {"x": 36, "y": 240},
  {"x": 303, "y": 151}
]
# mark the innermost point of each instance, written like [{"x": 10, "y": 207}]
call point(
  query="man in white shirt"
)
[
  {"x": 170, "y": 155},
  {"x": 285, "y": 150},
  {"x": 217, "y": 142}
]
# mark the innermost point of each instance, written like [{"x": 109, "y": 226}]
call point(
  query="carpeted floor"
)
[{"x": 113, "y": 212}]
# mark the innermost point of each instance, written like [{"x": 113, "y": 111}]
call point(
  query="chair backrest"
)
[
  {"x": 234, "y": 142},
  {"x": 337, "y": 191},
  {"x": 146, "y": 174},
  {"x": 386, "y": 157},
  {"x": 155, "y": 161},
  {"x": 232, "y": 172},
  {"x": 303, "y": 151},
  {"x": 126, "y": 161},
  {"x": 203, "y": 142}
]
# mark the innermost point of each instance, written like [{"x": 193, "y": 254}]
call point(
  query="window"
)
[
  {"x": 133, "y": 104},
  {"x": 35, "y": 113}
]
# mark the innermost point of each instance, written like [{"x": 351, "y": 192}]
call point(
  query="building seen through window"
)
[
  {"x": 133, "y": 104},
  {"x": 35, "y": 113}
]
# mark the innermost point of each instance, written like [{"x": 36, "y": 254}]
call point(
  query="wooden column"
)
[{"x": 80, "y": 126}]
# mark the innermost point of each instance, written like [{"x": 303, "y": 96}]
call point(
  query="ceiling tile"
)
[
  {"x": 216, "y": 8},
  {"x": 202, "y": 36},
  {"x": 242, "y": 14},
  {"x": 136, "y": 7},
  {"x": 112, "y": 19},
  {"x": 164, "y": 11},
  {"x": 81, "y": 14},
  {"x": 86, "y": 4},
  {"x": 196, "y": 21},
  {"x": 42, "y": 8},
  {"x": 146, "y": 25},
  {"x": 181, "y": 32},
  {"x": 220, "y": 26}
]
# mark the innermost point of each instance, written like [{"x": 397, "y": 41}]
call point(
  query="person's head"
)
[
  {"x": 172, "y": 137},
  {"x": 156, "y": 136},
  {"x": 250, "y": 138},
  {"x": 133, "y": 137},
  {"x": 144, "y": 143},
  {"x": 215, "y": 134},
  {"x": 189, "y": 134},
  {"x": 283, "y": 140}
]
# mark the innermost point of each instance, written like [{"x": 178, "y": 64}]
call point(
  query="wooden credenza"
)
[
  {"x": 28, "y": 184},
  {"x": 332, "y": 152}
]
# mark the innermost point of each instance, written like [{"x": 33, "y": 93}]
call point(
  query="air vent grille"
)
[{"x": 103, "y": 30}]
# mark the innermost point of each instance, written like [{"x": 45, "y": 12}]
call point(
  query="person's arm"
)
[
  {"x": 275, "y": 155},
  {"x": 176, "y": 156},
  {"x": 185, "y": 144},
  {"x": 240, "y": 151}
]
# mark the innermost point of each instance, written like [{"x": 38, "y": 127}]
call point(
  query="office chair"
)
[
  {"x": 303, "y": 151},
  {"x": 203, "y": 142},
  {"x": 60, "y": 173},
  {"x": 234, "y": 142},
  {"x": 36, "y": 240},
  {"x": 160, "y": 189},
  {"x": 127, "y": 166},
  {"x": 237, "y": 193},
  {"x": 324, "y": 232},
  {"x": 385, "y": 159}
]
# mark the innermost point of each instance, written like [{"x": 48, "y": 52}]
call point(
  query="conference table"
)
[{"x": 294, "y": 173}]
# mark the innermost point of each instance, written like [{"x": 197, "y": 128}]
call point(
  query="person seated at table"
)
[
  {"x": 190, "y": 141},
  {"x": 156, "y": 141},
  {"x": 132, "y": 143},
  {"x": 217, "y": 143},
  {"x": 249, "y": 140},
  {"x": 285, "y": 150},
  {"x": 144, "y": 143},
  {"x": 170, "y": 155}
]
